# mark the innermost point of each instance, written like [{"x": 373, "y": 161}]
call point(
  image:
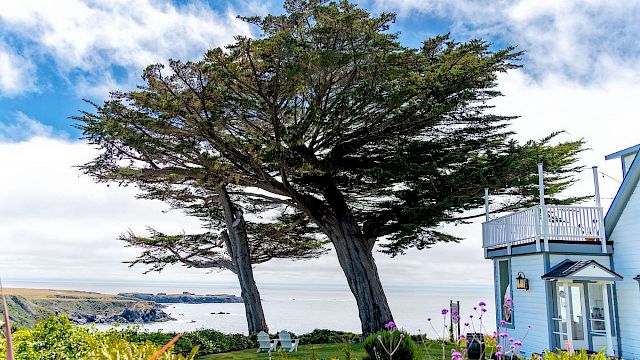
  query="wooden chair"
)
[
  {"x": 264, "y": 343},
  {"x": 286, "y": 342}
]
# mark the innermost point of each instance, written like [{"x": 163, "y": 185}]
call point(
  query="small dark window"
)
[{"x": 504, "y": 288}]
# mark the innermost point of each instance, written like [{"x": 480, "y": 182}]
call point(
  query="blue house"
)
[{"x": 572, "y": 272}]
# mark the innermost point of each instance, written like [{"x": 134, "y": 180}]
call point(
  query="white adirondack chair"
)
[
  {"x": 286, "y": 342},
  {"x": 264, "y": 343}
]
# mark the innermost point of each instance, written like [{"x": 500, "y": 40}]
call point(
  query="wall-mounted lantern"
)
[{"x": 522, "y": 282}]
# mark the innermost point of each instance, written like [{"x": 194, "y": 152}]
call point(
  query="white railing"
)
[{"x": 549, "y": 222}]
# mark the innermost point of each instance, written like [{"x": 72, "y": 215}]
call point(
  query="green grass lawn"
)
[{"x": 321, "y": 351}]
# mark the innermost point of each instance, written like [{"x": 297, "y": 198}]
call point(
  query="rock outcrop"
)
[{"x": 185, "y": 297}]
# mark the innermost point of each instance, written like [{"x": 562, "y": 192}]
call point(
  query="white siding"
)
[
  {"x": 530, "y": 308},
  {"x": 626, "y": 262}
]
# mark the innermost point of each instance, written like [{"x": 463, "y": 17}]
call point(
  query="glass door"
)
[{"x": 571, "y": 308}]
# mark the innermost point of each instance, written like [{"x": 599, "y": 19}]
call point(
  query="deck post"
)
[
  {"x": 543, "y": 209},
  {"x": 537, "y": 224},
  {"x": 486, "y": 204},
  {"x": 607, "y": 319},
  {"x": 485, "y": 227},
  {"x": 569, "y": 319},
  {"x": 596, "y": 185}
]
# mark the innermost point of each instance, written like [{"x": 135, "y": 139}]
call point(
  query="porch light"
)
[{"x": 522, "y": 282}]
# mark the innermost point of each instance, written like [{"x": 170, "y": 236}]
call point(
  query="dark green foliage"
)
[
  {"x": 209, "y": 341},
  {"x": 406, "y": 350},
  {"x": 326, "y": 336}
]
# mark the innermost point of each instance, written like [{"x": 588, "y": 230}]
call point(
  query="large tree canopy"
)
[{"x": 326, "y": 112}]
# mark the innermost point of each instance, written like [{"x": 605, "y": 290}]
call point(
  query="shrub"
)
[
  {"x": 209, "y": 341},
  {"x": 57, "y": 338},
  {"x": 326, "y": 336},
  {"x": 406, "y": 349}
]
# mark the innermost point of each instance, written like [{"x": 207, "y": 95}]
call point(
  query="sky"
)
[{"x": 580, "y": 74}]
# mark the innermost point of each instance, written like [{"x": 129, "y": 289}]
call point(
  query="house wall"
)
[
  {"x": 626, "y": 262},
  {"x": 530, "y": 308}
]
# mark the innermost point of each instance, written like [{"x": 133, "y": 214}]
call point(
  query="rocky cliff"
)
[{"x": 28, "y": 306}]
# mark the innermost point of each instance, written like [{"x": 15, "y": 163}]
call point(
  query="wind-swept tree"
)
[{"x": 326, "y": 112}]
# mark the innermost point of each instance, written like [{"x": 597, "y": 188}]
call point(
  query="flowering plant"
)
[{"x": 499, "y": 344}]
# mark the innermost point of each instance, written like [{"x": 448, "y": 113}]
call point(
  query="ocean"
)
[{"x": 298, "y": 309}]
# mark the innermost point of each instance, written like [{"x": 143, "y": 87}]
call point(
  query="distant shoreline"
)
[
  {"x": 185, "y": 298},
  {"x": 30, "y": 305}
]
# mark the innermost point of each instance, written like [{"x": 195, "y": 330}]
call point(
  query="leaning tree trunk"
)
[
  {"x": 238, "y": 246},
  {"x": 355, "y": 255}
]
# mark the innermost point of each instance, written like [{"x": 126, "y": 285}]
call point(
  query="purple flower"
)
[
  {"x": 503, "y": 323},
  {"x": 512, "y": 347},
  {"x": 390, "y": 325},
  {"x": 428, "y": 319},
  {"x": 498, "y": 354},
  {"x": 455, "y": 355},
  {"x": 482, "y": 303},
  {"x": 461, "y": 337},
  {"x": 508, "y": 300},
  {"x": 499, "y": 347},
  {"x": 484, "y": 310},
  {"x": 504, "y": 335},
  {"x": 444, "y": 311},
  {"x": 466, "y": 324},
  {"x": 517, "y": 343},
  {"x": 475, "y": 308},
  {"x": 511, "y": 340}
]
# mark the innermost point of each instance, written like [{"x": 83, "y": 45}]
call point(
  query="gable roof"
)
[
  {"x": 624, "y": 192},
  {"x": 624, "y": 152},
  {"x": 581, "y": 270}
]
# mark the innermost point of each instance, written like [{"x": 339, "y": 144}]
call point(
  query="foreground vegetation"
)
[{"x": 340, "y": 351}]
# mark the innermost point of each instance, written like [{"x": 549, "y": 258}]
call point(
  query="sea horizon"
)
[{"x": 299, "y": 308}]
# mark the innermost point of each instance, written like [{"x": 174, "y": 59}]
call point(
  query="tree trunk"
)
[
  {"x": 238, "y": 245},
  {"x": 359, "y": 267},
  {"x": 355, "y": 254}
]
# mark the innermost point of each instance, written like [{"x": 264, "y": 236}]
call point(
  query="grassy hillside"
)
[{"x": 28, "y": 306}]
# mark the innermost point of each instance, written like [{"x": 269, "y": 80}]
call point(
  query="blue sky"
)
[{"x": 580, "y": 74}]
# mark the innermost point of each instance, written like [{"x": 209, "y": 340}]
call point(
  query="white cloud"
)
[
  {"x": 91, "y": 37},
  {"x": 17, "y": 74},
  {"x": 23, "y": 128},
  {"x": 59, "y": 224}
]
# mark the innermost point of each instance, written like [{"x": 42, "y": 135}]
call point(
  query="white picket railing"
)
[{"x": 548, "y": 222}]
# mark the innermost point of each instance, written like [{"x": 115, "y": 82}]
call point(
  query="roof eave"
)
[
  {"x": 622, "y": 197},
  {"x": 623, "y": 152}
]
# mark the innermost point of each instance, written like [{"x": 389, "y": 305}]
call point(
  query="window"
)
[{"x": 504, "y": 289}]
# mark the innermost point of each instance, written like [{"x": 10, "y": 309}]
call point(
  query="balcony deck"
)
[{"x": 544, "y": 224}]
